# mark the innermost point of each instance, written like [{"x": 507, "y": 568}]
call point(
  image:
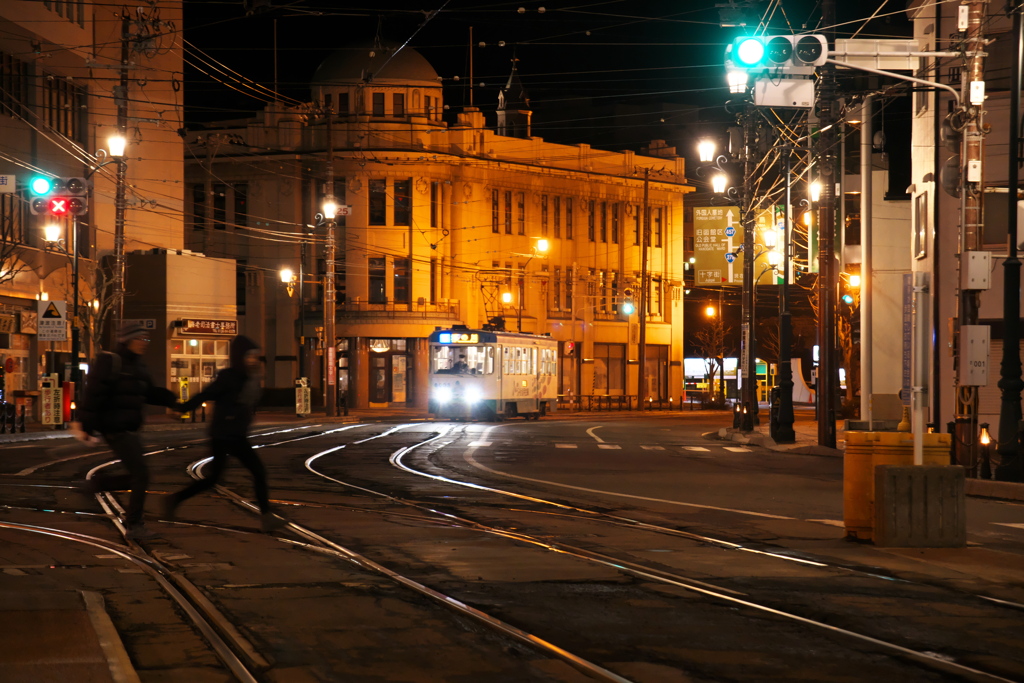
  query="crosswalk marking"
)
[
  {"x": 696, "y": 448},
  {"x": 610, "y": 446},
  {"x": 479, "y": 444},
  {"x": 653, "y": 448},
  {"x": 830, "y": 522},
  {"x": 737, "y": 449},
  {"x": 565, "y": 445}
]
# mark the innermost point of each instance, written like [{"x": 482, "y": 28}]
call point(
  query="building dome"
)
[{"x": 353, "y": 64}]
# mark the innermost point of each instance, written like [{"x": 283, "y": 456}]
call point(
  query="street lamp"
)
[
  {"x": 116, "y": 149},
  {"x": 540, "y": 250},
  {"x": 330, "y": 212},
  {"x": 52, "y": 236},
  {"x": 289, "y": 279}
]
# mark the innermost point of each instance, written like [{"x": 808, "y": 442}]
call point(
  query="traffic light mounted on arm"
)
[{"x": 795, "y": 54}]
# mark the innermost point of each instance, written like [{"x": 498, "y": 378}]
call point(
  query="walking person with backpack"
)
[
  {"x": 117, "y": 390},
  {"x": 236, "y": 391}
]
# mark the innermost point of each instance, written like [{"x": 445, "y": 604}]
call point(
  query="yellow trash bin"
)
[{"x": 867, "y": 450}]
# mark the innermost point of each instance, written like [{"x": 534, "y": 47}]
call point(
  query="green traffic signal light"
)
[
  {"x": 40, "y": 185},
  {"x": 748, "y": 52},
  {"x": 847, "y": 299},
  {"x": 628, "y": 308}
]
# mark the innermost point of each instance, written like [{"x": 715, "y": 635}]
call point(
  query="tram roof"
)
[{"x": 466, "y": 336}]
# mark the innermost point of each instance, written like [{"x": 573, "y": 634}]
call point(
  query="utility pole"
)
[
  {"x": 1011, "y": 462},
  {"x": 972, "y": 188},
  {"x": 828, "y": 379},
  {"x": 330, "y": 211},
  {"x": 645, "y": 240},
  {"x": 121, "y": 98},
  {"x": 783, "y": 426}
]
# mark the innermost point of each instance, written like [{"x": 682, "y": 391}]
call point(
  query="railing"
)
[
  {"x": 365, "y": 309},
  {"x": 692, "y": 400}
]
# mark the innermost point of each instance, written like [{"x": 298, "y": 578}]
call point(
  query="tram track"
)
[
  {"x": 322, "y": 543},
  {"x": 924, "y": 657}
]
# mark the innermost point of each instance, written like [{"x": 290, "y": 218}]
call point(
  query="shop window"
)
[
  {"x": 220, "y": 206},
  {"x": 568, "y": 218},
  {"x": 508, "y": 212},
  {"x": 403, "y": 280},
  {"x": 378, "y": 202},
  {"x": 378, "y": 282},
  {"x": 241, "y": 205},
  {"x": 521, "y": 212},
  {"x": 403, "y": 202},
  {"x": 609, "y": 369},
  {"x": 544, "y": 215},
  {"x": 495, "y": 211}
]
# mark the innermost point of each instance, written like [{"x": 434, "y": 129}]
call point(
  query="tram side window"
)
[{"x": 547, "y": 361}]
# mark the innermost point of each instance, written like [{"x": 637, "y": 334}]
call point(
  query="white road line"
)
[
  {"x": 609, "y": 446},
  {"x": 830, "y": 522},
  {"x": 1014, "y": 525},
  {"x": 653, "y": 448},
  {"x": 696, "y": 448},
  {"x": 590, "y": 432},
  {"x": 565, "y": 445},
  {"x": 479, "y": 444},
  {"x": 468, "y": 457},
  {"x": 737, "y": 449}
]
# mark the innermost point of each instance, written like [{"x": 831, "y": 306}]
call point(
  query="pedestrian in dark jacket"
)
[
  {"x": 236, "y": 390},
  {"x": 117, "y": 390}
]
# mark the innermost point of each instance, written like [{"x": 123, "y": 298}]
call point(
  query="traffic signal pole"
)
[
  {"x": 748, "y": 393},
  {"x": 828, "y": 379}
]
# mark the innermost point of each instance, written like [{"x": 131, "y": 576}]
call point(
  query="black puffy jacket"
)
[
  {"x": 236, "y": 392},
  {"x": 116, "y": 393}
]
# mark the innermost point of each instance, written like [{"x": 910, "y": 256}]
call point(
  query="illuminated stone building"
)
[{"x": 443, "y": 217}]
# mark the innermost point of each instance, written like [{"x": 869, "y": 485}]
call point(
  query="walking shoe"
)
[
  {"x": 138, "y": 531},
  {"x": 271, "y": 522}
]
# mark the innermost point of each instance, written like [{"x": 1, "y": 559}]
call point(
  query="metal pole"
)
[
  {"x": 75, "y": 337},
  {"x": 748, "y": 395},
  {"x": 1011, "y": 463},
  {"x": 519, "y": 301},
  {"x": 866, "y": 285},
  {"x": 645, "y": 239},
  {"x": 827, "y": 374},
  {"x": 330, "y": 364},
  {"x": 119, "y": 208},
  {"x": 784, "y": 428},
  {"x": 302, "y": 306}
]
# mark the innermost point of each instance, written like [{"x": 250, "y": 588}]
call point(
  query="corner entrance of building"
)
[{"x": 389, "y": 363}]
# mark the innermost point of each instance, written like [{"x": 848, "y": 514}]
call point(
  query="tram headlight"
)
[
  {"x": 473, "y": 395},
  {"x": 443, "y": 394}
]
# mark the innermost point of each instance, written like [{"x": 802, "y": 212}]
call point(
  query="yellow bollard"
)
[{"x": 858, "y": 484}]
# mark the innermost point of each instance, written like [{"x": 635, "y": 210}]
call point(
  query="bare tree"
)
[{"x": 709, "y": 340}]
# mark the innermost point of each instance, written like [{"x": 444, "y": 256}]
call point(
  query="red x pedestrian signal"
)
[{"x": 58, "y": 206}]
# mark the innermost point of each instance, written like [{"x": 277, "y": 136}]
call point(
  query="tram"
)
[{"x": 487, "y": 375}]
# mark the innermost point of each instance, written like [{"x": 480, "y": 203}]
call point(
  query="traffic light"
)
[
  {"x": 785, "y": 53},
  {"x": 627, "y": 306},
  {"x": 58, "y": 196}
]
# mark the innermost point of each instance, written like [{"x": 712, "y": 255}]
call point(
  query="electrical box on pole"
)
[{"x": 974, "y": 345}]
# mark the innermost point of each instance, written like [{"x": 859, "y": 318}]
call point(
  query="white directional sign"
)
[
  {"x": 7, "y": 184},
  {"x": 53, "y": 321}
]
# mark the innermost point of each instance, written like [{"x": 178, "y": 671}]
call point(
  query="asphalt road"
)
[{"x": 568, "y": 549}]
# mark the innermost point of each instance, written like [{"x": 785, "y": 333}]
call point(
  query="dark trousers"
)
[
  {"x": 128, "y": 447},
  {"x": 239, "y": 447}
]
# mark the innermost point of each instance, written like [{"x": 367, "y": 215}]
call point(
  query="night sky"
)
[{"x": 611, "y": 74}]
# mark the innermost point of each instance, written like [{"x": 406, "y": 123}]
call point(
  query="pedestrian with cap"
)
[
  {"x": 235, "y": 391},
  {"x": 113, "y": 406}
]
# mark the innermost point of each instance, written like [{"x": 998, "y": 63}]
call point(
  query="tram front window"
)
[{"x": 462, "y": 360}]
